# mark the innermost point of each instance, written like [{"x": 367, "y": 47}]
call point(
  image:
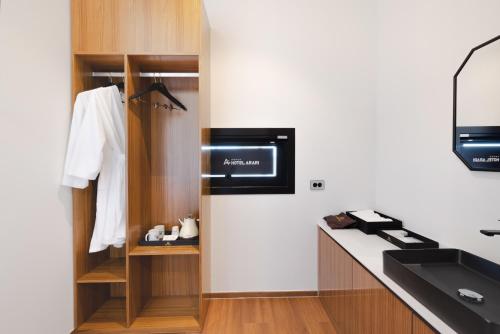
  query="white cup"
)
[
  {"x": 161, "y": 229},
  {"x": 153, "y": 235}
]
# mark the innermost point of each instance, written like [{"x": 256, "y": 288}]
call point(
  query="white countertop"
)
[{"x": 367, "y": 249}]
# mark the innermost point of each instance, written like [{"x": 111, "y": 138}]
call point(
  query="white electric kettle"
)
[{"x": 188, "y": 228}]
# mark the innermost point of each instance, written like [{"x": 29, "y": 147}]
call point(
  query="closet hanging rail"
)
[
  {"x": 149, "y": 74},
  {"x": 108, "y": 74}
]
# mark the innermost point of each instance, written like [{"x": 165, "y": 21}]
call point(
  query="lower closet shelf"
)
[
  {"x": 178, "y": 324},
  {"x": 110, "y": 316},
  {"x": 171, "y": 314},
  {"x": 111, "y": 271}
]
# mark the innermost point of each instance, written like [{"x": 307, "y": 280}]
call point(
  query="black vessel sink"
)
[{"x": 434, "y": 277}]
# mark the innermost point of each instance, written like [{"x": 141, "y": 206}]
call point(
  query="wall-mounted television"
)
[{"x": 252, "y": 161}]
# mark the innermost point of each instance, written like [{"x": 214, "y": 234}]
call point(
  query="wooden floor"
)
[{"x": 267, "y": 316}]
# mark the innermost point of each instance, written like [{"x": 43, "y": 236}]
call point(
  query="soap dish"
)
[{"x": 424, "y": 242}]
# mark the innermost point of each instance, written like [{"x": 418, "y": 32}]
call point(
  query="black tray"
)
[
  {"x": 427, "y": 243},
  {"x": 178, "y": 242},
  {"x": 372, "y": 228}
]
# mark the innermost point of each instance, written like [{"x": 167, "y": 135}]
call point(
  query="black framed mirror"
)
[{"x": 476, "y": 108}]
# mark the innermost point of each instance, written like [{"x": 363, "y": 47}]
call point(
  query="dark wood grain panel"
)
[
  {"x": 139, "y": 289},
  {"x": 353, "y": 298},
  {"x": 376, "y": 309},
  {"x": 89, "y": 298},
  {"x": 420, "y": 327},
  {"x": 335, "y": 282},
  {"x": 175, "y": 155},
  {"x": 138, "y": 157},
  {"x": 110, "y": 316},
  {"x": 175, "y": 276}
]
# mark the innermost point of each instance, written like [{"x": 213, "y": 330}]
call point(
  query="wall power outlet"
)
[{"x": 317, "y": 184}]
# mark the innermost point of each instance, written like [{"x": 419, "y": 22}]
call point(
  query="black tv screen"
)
[{"x": 252, "y": 161}]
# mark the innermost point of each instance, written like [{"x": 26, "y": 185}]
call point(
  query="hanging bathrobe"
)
[{"x": 97, "y": 147}]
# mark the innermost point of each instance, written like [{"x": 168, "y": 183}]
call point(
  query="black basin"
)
[{"x": 433, "y": 277}]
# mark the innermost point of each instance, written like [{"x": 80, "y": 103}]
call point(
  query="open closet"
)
[{"x": 146, "y": 289}]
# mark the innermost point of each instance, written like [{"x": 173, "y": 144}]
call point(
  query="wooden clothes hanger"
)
[{"x": 158, "y": 86}]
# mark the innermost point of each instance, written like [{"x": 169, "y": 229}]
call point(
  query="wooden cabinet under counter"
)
[
  {"x": 420, "y": 327},
  {"x": 376, "y": 309},
  {"x": 335, "y": 282},
  {"x": 355, "y": 301}
]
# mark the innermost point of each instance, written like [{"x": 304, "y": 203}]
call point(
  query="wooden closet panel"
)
[
  {"x": 139, "y": 286},
  {"x": 175, "y": 153},
  {"x": 205, "y": 135},
  {"x": 83, "y": 227},
  {"x": 90, "y": 297},
  {"x": 376, "y": 309},
  {"x": 84, "y": 200},
  {"x": 99, "y": 26},
  {"x": 174, "y": 276},
  {"x": 420, "y": 327},
  {"x": 138, "y": 159},
  {"x": 335, "y": 282},
  {"x": 164, "y": 26},
  {"x": 138, "y": 190},
  {"x": 117, "y": 290},
  {"x": 136, "y": 26}
]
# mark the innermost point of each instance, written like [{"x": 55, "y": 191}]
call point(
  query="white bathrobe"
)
[{"x": 97, "y": 147}]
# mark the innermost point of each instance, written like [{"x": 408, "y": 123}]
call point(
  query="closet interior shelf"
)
[
  {"x": 149, "y": 74},
  {"x": 165, "y": 250},
  {"x": 111, "y": 271}
]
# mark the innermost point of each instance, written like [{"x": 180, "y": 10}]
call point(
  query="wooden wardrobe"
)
[{"x": 146, "y": 289}]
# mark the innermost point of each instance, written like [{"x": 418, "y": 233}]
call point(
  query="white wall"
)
[
  {"x": 311, "y": 65},
  {"x": 421, "y": 44},
  {"x": 303, "y": 64},
  {"x": 35, "y": 240}
]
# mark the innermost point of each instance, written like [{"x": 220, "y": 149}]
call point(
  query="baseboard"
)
[{"x": 260, "y": 294}]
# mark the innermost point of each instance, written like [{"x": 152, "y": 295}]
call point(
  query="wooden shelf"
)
[
  {"x": 110, "y": 316},
  {"x": 164, "y": 250},
  {"x": 173, "y": 314},
  {"x": 173, "y": 324},
  {"x": 111, "y": 271}
]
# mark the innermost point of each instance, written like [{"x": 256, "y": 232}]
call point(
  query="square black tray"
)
[
  {"x": 427, "y": 243},
  {"x": 372, "y": 228},
  {"x": 178, "y": 242}
]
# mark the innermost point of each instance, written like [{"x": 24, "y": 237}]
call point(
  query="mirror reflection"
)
[
  {"x": 478, "y": 100},
  {"x": 476, "y": 108}
]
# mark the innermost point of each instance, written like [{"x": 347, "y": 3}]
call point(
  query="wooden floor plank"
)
[{"x": 303, "y": 315}]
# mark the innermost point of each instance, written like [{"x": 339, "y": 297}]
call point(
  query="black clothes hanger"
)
[
  {"x": 158, "y": 86},
  {"x": 120, "y": 85}
]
